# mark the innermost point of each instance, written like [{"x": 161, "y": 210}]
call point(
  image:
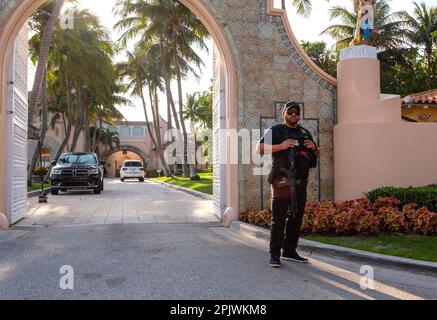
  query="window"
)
[
  {"x": 138, "y": 132},
  {"x": 113, "y": 129},
  {"x": 133, "y": 164},
  {"x": 125, "y": 132},
  {"x": 71, "y": 158}
]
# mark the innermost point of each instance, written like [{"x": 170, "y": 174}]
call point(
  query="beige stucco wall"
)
[
  {"x": 374, "y": 147},
  {"x": 265, "y": 66},
  {"x": 272, "y": 70}
]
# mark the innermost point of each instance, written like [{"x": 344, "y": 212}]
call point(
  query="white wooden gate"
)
[
  {"x": 17, "y": 108},
  {"x": 219, "y": 138}
]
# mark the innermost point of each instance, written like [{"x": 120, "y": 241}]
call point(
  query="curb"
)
[
  {"x": 36, "y": 193},
  {"x": 192, "y": 192},
  {"x": 260, "y": 233}
]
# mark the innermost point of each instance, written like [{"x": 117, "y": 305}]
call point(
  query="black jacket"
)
[{"x": 305, "y": 159}]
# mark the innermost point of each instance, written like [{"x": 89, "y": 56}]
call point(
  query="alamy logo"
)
[
  {"x": 67, "y": 280},
  {"x": 66, "y": 21},
  {"x": 367, "y": 281}
]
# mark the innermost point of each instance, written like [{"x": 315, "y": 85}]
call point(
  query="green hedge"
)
[
  {"x": 422, "y": 196},
  {"x": 152, "y": 174}
]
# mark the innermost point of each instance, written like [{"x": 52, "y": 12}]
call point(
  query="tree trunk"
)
[
  {"x": 79, "y": 121},
  {"x": 64, "y": 123},
  {"x": 64, "y": 144},
  {"x": 68, "y": 123},
  {"x": 66, "y": 139},
  {"x": 193, "y": 167},
  {"x": 42, "y": 63},
  {"x": 169, "y": 127},
  {"x": 181, "y": 112},
  {"x": 168, "y": 91},
  {"x": 159, "y": 151},
  {"x": 44, "y": 129},
  {"x": 94, "y": 148},
  {"x": 158, "y": 119},
  {"x": 155, "y": 111},
  {"x": 185, "y": 167},
  {"x": 169, "y": 119},
  {"x": 86, "y": 126},
  {"x": 429, "y": 58}
]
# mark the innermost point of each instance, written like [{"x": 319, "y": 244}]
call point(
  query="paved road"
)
[
  {"x": 192, "y": 260},
  {"x": 128, "y": 202},
  {"x": 181, "y": 261}
]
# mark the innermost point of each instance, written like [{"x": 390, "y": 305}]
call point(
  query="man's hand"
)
[
  {"x": 310, "y": 145},
  {"x": 287, "y": 144}
]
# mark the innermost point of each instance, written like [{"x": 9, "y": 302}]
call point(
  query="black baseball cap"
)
[{"x": 292, "y": 105}]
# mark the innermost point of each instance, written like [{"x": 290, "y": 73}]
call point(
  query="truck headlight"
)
[
  {"x": 56, "y": 171},
  {"x": 93, "y": 171}
]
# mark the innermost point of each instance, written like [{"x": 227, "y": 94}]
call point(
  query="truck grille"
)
[{"x": 74, "y": 173}]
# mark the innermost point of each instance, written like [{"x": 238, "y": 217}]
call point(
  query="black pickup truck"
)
[{"x": 77, "y": 171}]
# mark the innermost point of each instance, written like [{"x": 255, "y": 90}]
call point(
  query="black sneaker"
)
[
  {"x": 275, "y": 262},
  {"x": 293, "y": 256}
]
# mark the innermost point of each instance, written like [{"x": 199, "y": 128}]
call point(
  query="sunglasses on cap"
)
[{"x": 291, "y": 112}]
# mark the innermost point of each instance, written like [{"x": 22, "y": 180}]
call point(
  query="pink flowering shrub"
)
[
  {"x": 392, "y": 220},
  {"x": 357, "y": 217},
  {"x": 423, "y": 221}
]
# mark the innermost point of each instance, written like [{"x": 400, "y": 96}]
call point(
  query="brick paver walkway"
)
[{"x": 129, "y": 202}]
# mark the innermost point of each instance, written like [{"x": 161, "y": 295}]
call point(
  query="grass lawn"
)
[
  {"x": 203, "y": 185},
  {"x": 37, "y": 186},
  {"x": 406, "y": 246}
]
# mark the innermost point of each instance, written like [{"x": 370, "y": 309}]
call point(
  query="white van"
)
[{"x": 132, "y": 169}]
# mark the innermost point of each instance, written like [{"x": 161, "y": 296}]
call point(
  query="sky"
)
[
  {"x": 103, "y": 9},
  {"x": 307, "y": 29}
]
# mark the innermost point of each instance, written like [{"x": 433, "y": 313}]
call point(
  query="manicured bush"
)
[
  {"x": 38, "y": 170},
  {"x": 423, "y": 221},
  {"x": 422, "y": 196},
  {"x": 392, "y": 220},
  {"x": 152, "y": 174},
  {"x": 259, "y": 218},
  {"x": 322, "y": 223}
]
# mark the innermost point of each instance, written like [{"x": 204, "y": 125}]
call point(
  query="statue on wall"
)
[{"x": 365, "y": 22}]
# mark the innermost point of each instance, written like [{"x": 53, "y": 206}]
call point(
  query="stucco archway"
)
[
  {"x": 136, "y": 150},
  {"x": 114, "y": 158},
  {"x": 263, "y": 65},
  {"x": 24, "y": 9}
]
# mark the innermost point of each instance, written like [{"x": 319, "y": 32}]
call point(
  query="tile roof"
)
[{"x": 426, "y": 97}]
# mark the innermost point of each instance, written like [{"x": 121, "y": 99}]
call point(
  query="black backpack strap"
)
[
  {"x": 305, "y": 132},
  {"x": 313, "y": 157}
]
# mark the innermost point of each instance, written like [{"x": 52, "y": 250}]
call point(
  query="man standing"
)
[{"x": 294, "y": 150}]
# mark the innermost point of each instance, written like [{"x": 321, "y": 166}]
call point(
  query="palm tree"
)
[
  {"x": 87, "y": 51},
  {"x": 174, "y": 30},
  {"x": 46, "y": 38},
  {"x": 198, "y": 110},
  {"x": 105, "y": 138},
  {"x": 303, "y": 7},
  {"x": 192, "y": 113},
  {"x": 142, "y": 72},
  {"x": 82, "y": 82},
  {"x": 43, "y": 23},
  {"x": 422, "y": 27},
  {"x": 134, "y": 21},
  {"x": 389, "y": 30}
]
